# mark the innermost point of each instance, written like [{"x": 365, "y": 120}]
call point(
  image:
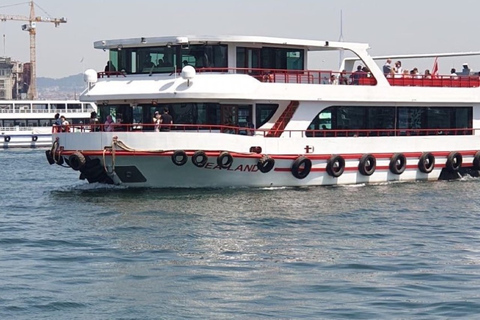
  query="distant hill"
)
[{"x": 64, "y": 88}]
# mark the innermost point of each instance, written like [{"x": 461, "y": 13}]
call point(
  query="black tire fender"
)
[
  {"x": 199, "y": 158},
  {"x": 34, "y": 138},
  {"x": 398, "y": 163},
  {"x": 454, "y": 161},
  {"x": 221, "y": 160},
  {"x": 179, "y": 157},
  {"x": 7, "y": 138},
  {"x": 335, "y": 166},
  {"x": 76, "y": 160},
  {"x": 265, "y": 164},
  {"x": 367, "y": 164},
  {"x": 426, "y": 163},
  {"x": 301, "y": 167},
  {"x": 48, "y": 154},
  {"x": 476, "y": 161}
]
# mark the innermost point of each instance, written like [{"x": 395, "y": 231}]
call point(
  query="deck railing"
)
[
  {"x": 139, "y": 128},
  {"x": 363, "y": 78}
]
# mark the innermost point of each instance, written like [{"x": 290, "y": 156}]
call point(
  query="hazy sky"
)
[{"x": 390, "y": 27}]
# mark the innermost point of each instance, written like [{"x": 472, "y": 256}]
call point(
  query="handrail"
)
[
  {"x": 139, "y": 127},
  {"x": 363, "y": 78}
]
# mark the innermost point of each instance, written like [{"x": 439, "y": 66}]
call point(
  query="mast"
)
[{"x": 340, "y": 39}]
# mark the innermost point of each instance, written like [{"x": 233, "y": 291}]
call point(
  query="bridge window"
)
[
  {"x": 166, "y": 59},
  {"x": 270, "y": 58}
]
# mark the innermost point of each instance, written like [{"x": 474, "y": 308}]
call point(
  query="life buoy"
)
[
  {"x": 367, "y": 164},
  {"x": 199, "y": 158},
  {"x": 301, "y": 167},
  {"x": 335, "y": 166},
  {"x": 34, "y": 138},
  {"x": 454, "y": 161},
  {"x": 476, "y": 161},
  {"x": 426, "y": 163},
  {"x": 179, "y": 157},
  {"x": 224, "y": 160},
  {"x": 48, "y": 154},
  {"x": 6, "y": 138},
  {"x": 398, "y": 163},
  {"x": 76, "y": 160},
  {"x": 265, "y": 164}
]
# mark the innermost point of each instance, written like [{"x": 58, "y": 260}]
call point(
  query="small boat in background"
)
[{"x": 28, "y": 123}]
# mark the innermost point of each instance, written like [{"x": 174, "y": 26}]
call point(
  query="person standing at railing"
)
[
  {"x": 109, "y": 124},
  {"x": 57, "y": 123},
  {"x": 65, "y": 124},
  {"x": 387, "y": 68},
  {"x": 398, "y": 70},
  {"x": 342, "y": 79},
  {"x": 157, "y": 120},
  {"x": 166, "y": 120}
]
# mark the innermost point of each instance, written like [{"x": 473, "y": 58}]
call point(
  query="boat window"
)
[
  {"x": 264, "y": 112},
  {"x": 121, "y": 113},
  {"x": 73, "y": 106},
  {"x": 57, "y": 107},
  {"x": 8, "y": 123},
  {"x": 408, "y": 120},
  {"x": 270, "y": 58},
  {"x": 40, "y": 107},
  {"x": 32, "y": 123},
  {"x": 168, "y": 58},
  {"x": 46, "y": 122},
  {"x": 20, "y": 107}
]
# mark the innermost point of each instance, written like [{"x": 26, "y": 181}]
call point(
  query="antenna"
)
[{"x": 340, "y": 39}]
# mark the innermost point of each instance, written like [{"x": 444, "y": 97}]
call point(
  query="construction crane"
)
[{"x": 31, "y": 28}]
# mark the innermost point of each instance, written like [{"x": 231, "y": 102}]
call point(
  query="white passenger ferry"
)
[
  {"x": 247, "y": 112},
  {"x": 28, "y": 123}
]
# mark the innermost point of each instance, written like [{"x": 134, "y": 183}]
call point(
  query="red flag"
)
[{"x": 435, "y": 67}]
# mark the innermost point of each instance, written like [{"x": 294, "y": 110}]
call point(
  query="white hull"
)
[{"x": 151, "y": 165}]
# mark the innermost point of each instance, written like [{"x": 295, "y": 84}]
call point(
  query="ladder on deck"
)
[{"x": 281, "y": 123}]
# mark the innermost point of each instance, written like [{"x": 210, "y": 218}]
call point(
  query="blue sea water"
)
[{"x": 69, "y": 250}]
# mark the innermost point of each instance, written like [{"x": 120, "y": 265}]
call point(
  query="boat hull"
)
[{"x": 146, "y": 159}]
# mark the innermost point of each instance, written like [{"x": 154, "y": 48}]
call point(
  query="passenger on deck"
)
[
  {"x": 166, "y": 120},
  {"x": 387, "y": 68},
  {"x": 250, "y": 126},
  {"x": 94, "y": 122},
  {"x": 333, "y": 79},
  {"x": 398, "y": 70},
  {"x": 109, "y": 124},
  {"x": 357, "y": 75},
  {"x": 157, "y": 120},
  {"x": 466, "y": 70},
  {"x": 65, "y": 124},
  {"x": 57, "y": 123},
  {"x": 427, "y": 74},
  {"x": 110, "y": 67},
  {"x": 343, "y": 77},
  {"x": 453, "y": 73}
]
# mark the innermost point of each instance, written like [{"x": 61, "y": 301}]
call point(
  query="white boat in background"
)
[
  {"x": 248, "y": 112},
  {"x": 28, "y": 123}
]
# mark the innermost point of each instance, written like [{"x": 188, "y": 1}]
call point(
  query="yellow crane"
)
[{"x": 31, "y": 28}]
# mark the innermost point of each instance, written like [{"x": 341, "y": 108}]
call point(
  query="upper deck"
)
[{"x": 268, "y": 59}]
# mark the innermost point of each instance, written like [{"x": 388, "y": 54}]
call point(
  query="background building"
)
[{"x": 12, "y": 84}]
